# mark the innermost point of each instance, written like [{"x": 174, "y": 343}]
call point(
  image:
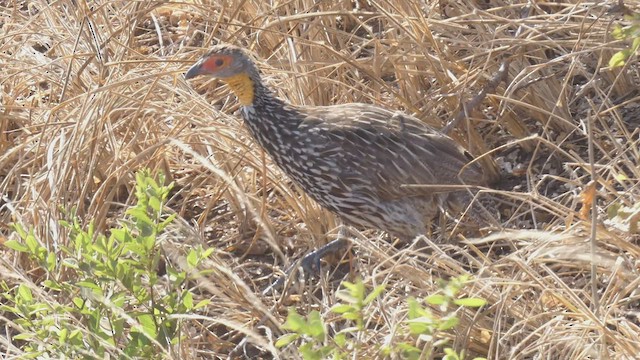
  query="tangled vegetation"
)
[{"x": 101, "y": 258}]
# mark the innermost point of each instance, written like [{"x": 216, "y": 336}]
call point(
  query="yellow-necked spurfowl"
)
[{"x": 360, "y": 161}]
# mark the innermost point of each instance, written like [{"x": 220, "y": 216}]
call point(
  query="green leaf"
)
[
  {"x": 149, "y": 242},
  {"x": 286, "y": 339},
  {"x": 155, "y": 204},
  {"x": 135, "y": 248},
  {"x": 416, "y": 310},
  {"x": 621, "y": 177},
  {"x": 618, "y": 32},
  {"x": 51, "y": 261},
  {"x": 202, "y": 303},
  {"x": 75, "y": 334},
  {"x": 309, "y": 353},
  {"x": 176, "y": 277},
  {"x": 316, "y": 326},
  {"x": 32, "y": 243},
  {"x": 89, "y": 285},
  {"x": 408, "y": 348},
  {"x": 141, "y": 178},
  {"x": 78, "y": 302},
  {"x": 121, "y": 235},
  {"x": 187, "y": 300},
  {"x": 207, "y": 253},
  {"x": 148, "y": 325},
  {"x": 10, "y": 309},
  {"x": 141, "y": 217},
  {"x": 20, "y": 230},
  {"x": 24, "y": 336},
  {"x": 421, "y": 325},
  {"x": 470, "y": 302},
  {"x": 351, "y": 316},
  {"x": 24, "y": 293},
  {"x": 192, "y": 258},
  {"x": 448, "y": 323},
  {"x": 50, "y": 284},
  {"x": 295, "y": 322},
  {"x": 357, "y": 290},
  {"x": 340, "y": 339},
  {"x": 153, "y": 185},
  {"x": 17, "y": 246},
  {"x": 342, "y": 308},
  {"x": 619, "y": 58},
  {"x": 436, "y": 299},
  {"x": 63, "y": 336},
  {"x": 373, "y": 294},
  {"x": 346, "y": 297},
  {"x": 450, "y": 354},
  {"x": 167, "y": 221}
]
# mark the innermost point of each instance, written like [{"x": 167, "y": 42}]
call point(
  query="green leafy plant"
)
[
  {"x": 623, "y": 33},
  {"x": 428, "y": 327},
  {"x": 104, "y": 293},
  {"x": 422, "y": 325},
  {"x": 311, "y": 330}
]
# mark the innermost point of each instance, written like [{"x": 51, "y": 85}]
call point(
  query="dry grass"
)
[{"x": 93, "y": 92}]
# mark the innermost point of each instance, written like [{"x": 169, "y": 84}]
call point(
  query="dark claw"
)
[{"x": 310, "y": 264}]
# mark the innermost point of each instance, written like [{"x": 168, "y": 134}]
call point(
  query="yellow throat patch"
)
[{"x": 242, "y": 86}]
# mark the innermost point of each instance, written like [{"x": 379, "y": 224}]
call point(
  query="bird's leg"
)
[{"x": 311, "y": 262}]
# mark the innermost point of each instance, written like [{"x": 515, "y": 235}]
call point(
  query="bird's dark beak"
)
[{"x": 194, "y": 71}]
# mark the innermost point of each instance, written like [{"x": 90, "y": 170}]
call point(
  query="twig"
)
[{"x": 490, "y": 87}]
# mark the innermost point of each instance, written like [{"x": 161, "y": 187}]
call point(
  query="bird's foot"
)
[{"x": 310, "y": 264}]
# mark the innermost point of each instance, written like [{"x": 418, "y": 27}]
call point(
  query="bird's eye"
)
[{"x": 219, "y": 62}]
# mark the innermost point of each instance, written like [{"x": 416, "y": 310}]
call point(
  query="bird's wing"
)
[{"x": 400, "y": 155}]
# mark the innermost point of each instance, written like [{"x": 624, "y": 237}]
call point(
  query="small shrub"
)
[
  {"x": 428, "y": 327},
  {"x": 421, "y": 324},
  {"x": 103, "y": 292},
  {"x": 311, "y": 330}
]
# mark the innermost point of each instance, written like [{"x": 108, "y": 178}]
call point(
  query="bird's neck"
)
[
  {"x": 244, "y": 87},
  {"x": 270, "y": 120},
  {"x": 250, "y": 91},
  {"x": 259, "y": 100}
]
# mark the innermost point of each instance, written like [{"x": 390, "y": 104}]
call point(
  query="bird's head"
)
[{"x": 232, "y": 65}]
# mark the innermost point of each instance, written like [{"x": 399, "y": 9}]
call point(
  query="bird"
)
[{"x": 372, "y": 167}]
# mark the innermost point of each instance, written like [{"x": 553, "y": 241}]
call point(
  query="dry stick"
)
[
  {"x": 490, "y": 87},
  {"x": 594, "y": 218}
]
